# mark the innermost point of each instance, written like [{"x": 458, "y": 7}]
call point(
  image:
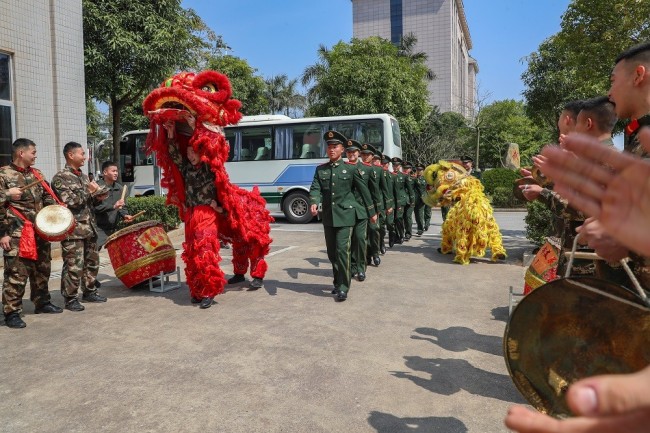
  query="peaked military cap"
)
[
  {"x": 385, "y": 159},
  {"x": 419, "y": 166},
  {"x": 334, "y": 137},
  {"x": 368, "y": 148},
  {"x": 407, "y": 164},
  {"x": 377, "y": 155},
  {"x": 396, "y": 161},
  {"x": 466, "y": 159},
  {"x": 352, "y": 146}
]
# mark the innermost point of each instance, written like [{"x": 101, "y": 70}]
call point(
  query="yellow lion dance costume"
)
[{"x": 470, "y": 227}]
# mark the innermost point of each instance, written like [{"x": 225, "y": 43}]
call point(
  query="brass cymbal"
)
[{"x": 570, "y": 329}]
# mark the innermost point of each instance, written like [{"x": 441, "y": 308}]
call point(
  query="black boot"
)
[
  {"x": 13, "y": 320},
  {"x": 237, "y": 278}
]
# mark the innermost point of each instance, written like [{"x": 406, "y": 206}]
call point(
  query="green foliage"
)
[
  {"x": 282, "y": 95},
  {"x": 504, "y": 122},
  {"x": 369, "y": 76},
  {"x": 155, "y": 209},
  {"x": 95, "y": 120},
  {"x": 538, "y": 222},
  {"x": 502, "y": 197},
  {"x": 576, "y": 62},
  {"x": 441, "y": 136},
  {"x": 131, "y": 46},
  {"x": 498, "y": 178},
  {"x": 246, "y": 85}
]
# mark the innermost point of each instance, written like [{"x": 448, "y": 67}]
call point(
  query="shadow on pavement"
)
[
  {"x": 294, "y": 273},
  {"x": 322, "y": 290},
  {"x": 387, "y": 423},
  {"x": 500, "y": 313},
  {"x": 460, "y": 339},
  {"x": 448, "y": 376}
]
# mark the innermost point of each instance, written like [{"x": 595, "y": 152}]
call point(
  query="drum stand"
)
[{"x": 163, "y": 284}]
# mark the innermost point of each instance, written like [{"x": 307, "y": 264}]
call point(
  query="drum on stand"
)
[
  {"x": 570, "y": 329},
  {"x": 54, "y": 223},
  {"x": 141, "y": 251}
]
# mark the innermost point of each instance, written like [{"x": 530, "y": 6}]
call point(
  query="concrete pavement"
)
[{"x": 416, "y": 347}]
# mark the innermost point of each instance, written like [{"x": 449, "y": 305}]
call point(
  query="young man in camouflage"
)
[
  {"x": 79, "y": 249},
  {"x": 16, "y": 204},
  {"x": 111, "y": 210}
]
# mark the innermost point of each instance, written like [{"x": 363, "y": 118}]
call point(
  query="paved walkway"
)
[{"x": 417, "y": 347}]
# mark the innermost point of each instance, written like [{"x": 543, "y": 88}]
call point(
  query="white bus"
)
[{"x": 276, "y": 153}]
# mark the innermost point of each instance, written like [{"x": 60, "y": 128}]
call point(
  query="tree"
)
[
  {"x": 368, "y": 76},
  {"x": 576, "y": 62},
  {"x": 441, "y": 136},
  {"x": 282, "y": 94},
  {"x": 248, "y": 87},
  {"x": 504, "y": 122},
  {"x": 131, "y": 46}
]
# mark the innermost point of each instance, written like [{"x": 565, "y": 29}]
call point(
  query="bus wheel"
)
[{"x": 296, "y": 208}]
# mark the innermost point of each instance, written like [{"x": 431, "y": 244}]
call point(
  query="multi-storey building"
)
[
  {"x": 442, "y": 33},
  {"x": 42, "y": 95}
]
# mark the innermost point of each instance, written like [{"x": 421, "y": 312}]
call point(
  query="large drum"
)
[
  {"x": 54, "y": 223},
  {"x": 140, "y": 251}
]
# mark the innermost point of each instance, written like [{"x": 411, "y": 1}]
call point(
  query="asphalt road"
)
[{"x": 415, "y": 348}]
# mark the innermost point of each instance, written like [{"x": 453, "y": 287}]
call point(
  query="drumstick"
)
[
  {"x": 124, "y": 192},
  {"x": 29, "y": 185},
  {"x": 139, "y": 214},
  {"x": 584, "y": 255}
]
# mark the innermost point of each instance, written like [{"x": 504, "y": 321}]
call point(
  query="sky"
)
[{"x": 282, "y": 36}]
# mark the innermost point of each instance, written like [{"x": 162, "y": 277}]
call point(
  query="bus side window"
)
[
  {"x": 230, "y": 138},
  {"x": 258, "y": 142}
]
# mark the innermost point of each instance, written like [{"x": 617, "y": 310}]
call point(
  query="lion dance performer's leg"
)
[
  {"x": 243, "y": 254},
  {"x": 201, "y": 253}
]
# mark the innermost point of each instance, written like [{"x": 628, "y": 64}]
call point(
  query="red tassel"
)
[{"x": 27, "y": 244}]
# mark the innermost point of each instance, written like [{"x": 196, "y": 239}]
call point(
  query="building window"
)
[
  {"x": 6, "y": 109},
  {"x": 396, "y": 21}
]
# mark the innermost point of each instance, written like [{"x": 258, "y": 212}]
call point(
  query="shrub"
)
[
  {"x": 538, "y": 222},
  {"x": 155, "y": 209},
  {"x": 503, "y": 197},
  {"x": 498, "y": 178}
]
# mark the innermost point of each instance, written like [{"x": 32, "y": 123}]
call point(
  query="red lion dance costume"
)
[{"x": 246, "y": 222}]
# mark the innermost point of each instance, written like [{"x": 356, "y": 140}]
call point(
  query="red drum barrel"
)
[
  {"x": 54, "y": 223},
  {"x": 140, "y": 251}
]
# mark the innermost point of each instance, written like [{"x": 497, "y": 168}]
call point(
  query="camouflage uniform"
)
[
  {"x": 79, "y": 249},
  {"x": 106, "y": 215},
  {"x": 201, "y": 229},
  {"x": 18, "y": 270},
  {"x": 640, "y": 265}
]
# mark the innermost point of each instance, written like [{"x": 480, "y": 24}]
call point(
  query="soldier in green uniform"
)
[
  {"x": 407, "y": 167},
  {"x": 377, "y": 193},
  {"x": 333, "y": 189},
  {"x": 360, "y": 230},
  {"x": 387, "y": 197},
  {"x": 420, "y": 187},
  {"x": 79, "y": 249},
  {"x": 402, "y": 199},
  {"x": 17, "y": 207},
  {"x": 390, "y": 203}
]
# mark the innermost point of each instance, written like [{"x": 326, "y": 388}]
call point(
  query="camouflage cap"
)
[
  {"x": 368, "y": 148},
  {"x": 352, "y": 146},
  {"x": 334, "y": 137}
]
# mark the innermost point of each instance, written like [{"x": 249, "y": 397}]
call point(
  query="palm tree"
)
[
  {"x": 406, "y": 49},
  {"x": 283, "y": 95},
  {"x": 273, "y": 92},
  {"x": 316, "y": 72}
]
